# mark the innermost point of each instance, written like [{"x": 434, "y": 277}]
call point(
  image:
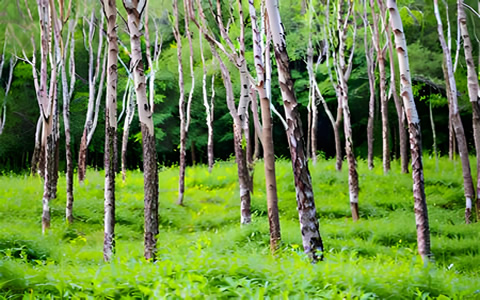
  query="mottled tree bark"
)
[
  {"x": 110, "y": 11},
  {"x": 3, "y": 109},
  {"x": 473, "y": 93},
  {"x": 126, "y": 128},
  {"x": 145, "y": 112},
  {"x": 312, "y": 242},
  {"x": 421, "y": 212}
]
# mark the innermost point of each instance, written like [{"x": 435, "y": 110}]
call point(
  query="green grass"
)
[{"x": 203, "y": 252}]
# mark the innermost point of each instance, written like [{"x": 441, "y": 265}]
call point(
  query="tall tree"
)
[
  {"x": 381, "y": 51},
  {"x": 457, "y": 121},
  {"x": 312, "y": 242},
  {"x": 134, "y": 10},
  {"x": 266, "y": 134},
  {"x": 110, "y": 11},
  {"x": 473, "y": 93},
  {"x": 96, "y": 72},
  {"x": 67, "y": 90},
  {"x": 343, "y": 70},
  {"x": 421, "y": 212},
  {"x": 3, "y": 109}
]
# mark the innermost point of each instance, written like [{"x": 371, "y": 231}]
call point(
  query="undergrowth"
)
[{"x": 203, "y": 251}]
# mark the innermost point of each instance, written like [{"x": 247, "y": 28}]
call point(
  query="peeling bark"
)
[
  {"x": 421, "y": 212},
  {"x": 145, "y": 112},
  {"x": 312, "y": 242},
  {"x": 110, "y": 12}
]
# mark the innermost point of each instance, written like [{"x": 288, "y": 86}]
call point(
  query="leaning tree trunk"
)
[
  {"x": 421, "y": 212},
  {"x": 130, "y": 112},
  {"x": 312, "y": 242},
  {"x": 110, "y": 11},
  {"x": 145, "y": 112},
  {"x": 473, "y": 92}
]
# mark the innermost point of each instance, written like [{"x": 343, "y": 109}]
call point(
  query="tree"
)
[
  {"x": 134, "y": 10},
  {"x": 12, "y": 64},
  {"x": 312, "y": 242},
  {"x": 94, "y": 94},
  {"x": 421, "y": 213},
  {"x": 457, "y": 121},
  {"x": 110, "y": 12},
  {"x": 473, "y": 93}
]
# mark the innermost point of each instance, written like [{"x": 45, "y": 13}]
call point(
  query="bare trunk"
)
[
  {"x": 145, "y": 112},
  {"x": 383, "y": 89},
  {"x": 434, "y": 134},
  {"x": 421, "y": 212},
  {"x": 457, "y": 122},
  {"x": 399, "y": 107},
  {"x": 126, "y": 129},
  {"x": 266, "y": 135},
  {"x": 181, "y": 108},
  {"x": 94, "y": 96},
  {"x": 67, "y": 95},
  {"x": 336, "y": 132},
  {"x": 473, "y": 93},
  {"x": 110, "y": 11},
  {"x": 35, "y": 167},
  {"x": 3, "y": 110},
  {"x": 312, "y": 242}
]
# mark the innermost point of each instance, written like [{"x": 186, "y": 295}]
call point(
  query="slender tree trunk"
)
[
  {"x": 383, "y": 89},
  {"x": 94, "y": 95},
  {"x": 336, "y": 132},
  {"x": 38, "y": 148},
  {"x": 421, "y": 212},
  {"x": 3, "y": 110},
  {"x": 398, "y": 105},
  {"x": 145, "y": 112},
  {"x": 312, "y": 242},
  {"x": 207, "y": 105},
  {"x": 110, "y": 11},
  {"x": 181, "y": 107},
  {"x": 126, "y": 128},
  {"x": 473, "y": 93},
  {"x": 67, "y": 96},
  {"x": 369, "y": 54},
  {"x": 266, "y": 135}
]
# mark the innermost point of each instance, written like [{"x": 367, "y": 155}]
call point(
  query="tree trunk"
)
[
  {"x": 126, "y": 128},
  {"x": 421, "y": 212},
  {"x": 371, "y": 102},
  {"x": 35, "y": 165},
  {"x": 266, "y": 135},
  {"x": 145, "y": 112},
  {"x": 312, "y": 242},
  {"x": 67, "y": 96},
  {"x": 336, "y": 132},
  {"x": 473, "y": 93},
  {"x": 94, "y": 96},
  {"x": 181, "y": 108},
  {"x": 110, "y": 11},
  {"x": 383, "y": 90}
]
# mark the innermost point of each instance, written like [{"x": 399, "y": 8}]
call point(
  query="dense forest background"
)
[{"x": 17, "y": 140}]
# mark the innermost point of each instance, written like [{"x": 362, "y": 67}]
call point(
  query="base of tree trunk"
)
[
  {"x": 468, "y": 216},
  {"x": 354, "y": 208}
]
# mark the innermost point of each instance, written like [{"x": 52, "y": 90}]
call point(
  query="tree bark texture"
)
[
  {"x": 473, "y": 93},
  {"x": 456, "y": 120},
  {"x": 94, "y": 95},
  {"x": 421, "y": 212},
  {"x": 369, "y": 54},
  {"x": 110, "y": 11},
  {"x": 312, "y": 242},
  {"x": 148, "y": 137},
  {"x": 266, "y": 135},
  {"x": 182, "y": 109}
]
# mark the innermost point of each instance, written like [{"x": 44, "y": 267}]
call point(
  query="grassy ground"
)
[{"x": 205, "y": 253}]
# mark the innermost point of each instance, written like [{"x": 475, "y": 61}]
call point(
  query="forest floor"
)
[{"x": 204, "y": 252}]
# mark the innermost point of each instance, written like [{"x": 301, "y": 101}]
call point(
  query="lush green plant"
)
[{"x": 203, "y": 252}]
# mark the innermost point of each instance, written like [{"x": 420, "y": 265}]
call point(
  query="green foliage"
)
[{"x": 204, "y": 252}]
